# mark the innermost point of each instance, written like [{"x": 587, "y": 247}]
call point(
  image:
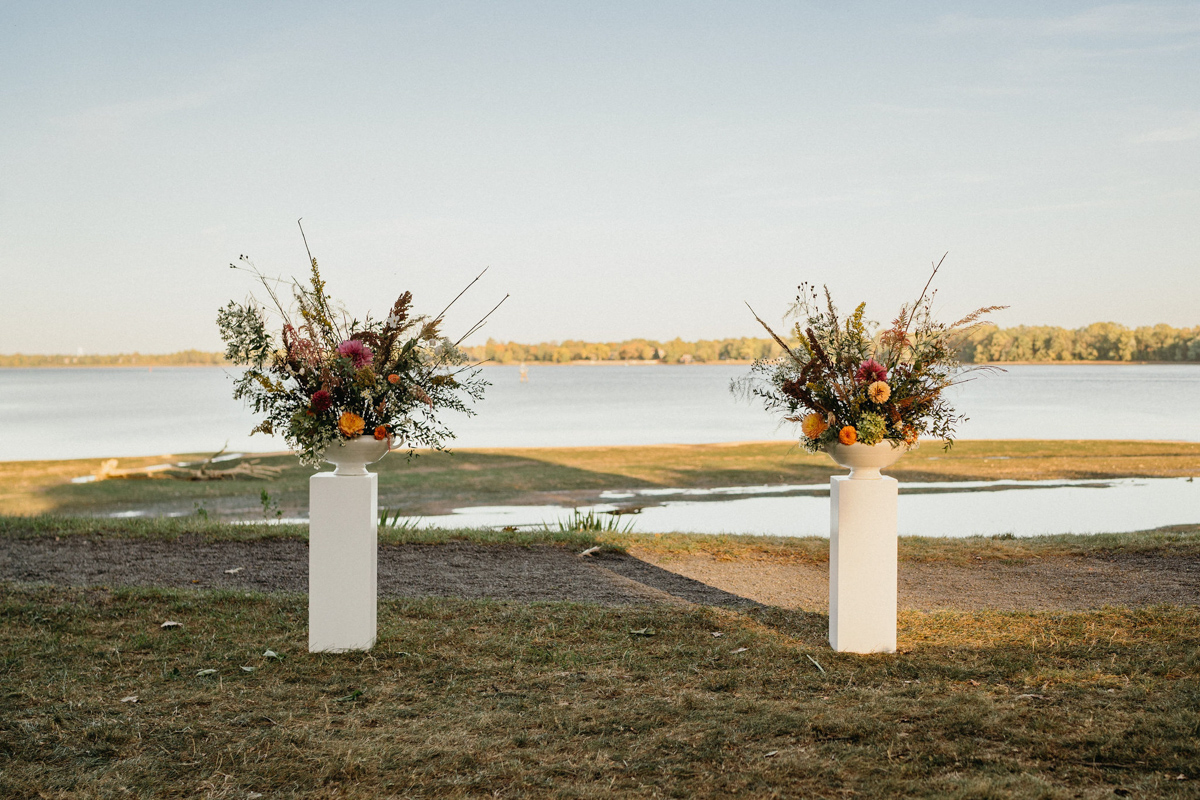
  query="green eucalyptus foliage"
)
[{"x": 244, "y": 331}]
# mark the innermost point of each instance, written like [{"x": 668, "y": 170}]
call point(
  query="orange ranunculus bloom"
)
[
  {"x": 814, "y": 425},
  {"x": 381, "y": 432},
  {"x": 848, "y": 435},
  {"x": 393, "y": 379},
  {"x": 350, "y": 425}
]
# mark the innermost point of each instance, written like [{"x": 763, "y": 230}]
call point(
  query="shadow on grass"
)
[
  {"x": 807, "y": 627},
  {"x": 429, "y": 483},
  {"x": 678, "y": 586}
]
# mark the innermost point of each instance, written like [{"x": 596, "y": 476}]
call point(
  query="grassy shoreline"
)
[{"x": 435, "y": 483}]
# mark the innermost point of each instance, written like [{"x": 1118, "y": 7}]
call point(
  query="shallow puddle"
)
[{"x": 1022, "y": 508}]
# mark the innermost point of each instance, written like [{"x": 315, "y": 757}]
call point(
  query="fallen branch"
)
[{"x": 252, "y": 469}]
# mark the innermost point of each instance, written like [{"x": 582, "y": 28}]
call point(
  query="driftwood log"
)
[{"x": 251, "y": 469}]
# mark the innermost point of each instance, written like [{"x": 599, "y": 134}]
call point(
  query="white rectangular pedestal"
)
[
  {"x": 862, "y": 565},
  {"x": 342, "y": 561}
]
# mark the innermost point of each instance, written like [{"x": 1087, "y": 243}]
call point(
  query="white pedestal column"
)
[
  {"x": 862, "y": 565},
  {"x": 343, "y": 513}
]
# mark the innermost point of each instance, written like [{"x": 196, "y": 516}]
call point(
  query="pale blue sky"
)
[{"x": 625, "y": 169}]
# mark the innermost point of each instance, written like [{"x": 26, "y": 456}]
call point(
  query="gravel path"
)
[{"x": 546, "y": 573}]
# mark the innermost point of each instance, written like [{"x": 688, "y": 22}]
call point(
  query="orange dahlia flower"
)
[
  {"x": 381, "y": 432},
  {"x": 393, "y": 379},
  {"x": 848, "y": 435},
  {"x": 879, "y": 392},
  {"x": 814, "y": 425},
  {"x": 350, "y": 425}
]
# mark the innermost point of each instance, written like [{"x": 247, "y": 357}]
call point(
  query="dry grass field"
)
[{"x": 498, "y": 699}]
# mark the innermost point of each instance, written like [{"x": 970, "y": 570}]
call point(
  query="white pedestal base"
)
[
  {"x": 343, "y": 516},
  {"x": 862, "y": 565}
]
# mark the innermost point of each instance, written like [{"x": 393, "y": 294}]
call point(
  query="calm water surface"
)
[
  {"x": 1020, "y": 508},
  {"x": 97, "y": 412}
]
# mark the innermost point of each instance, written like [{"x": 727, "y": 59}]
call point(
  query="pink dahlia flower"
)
[
  {"x": 359, "y": 354},
  {"x": 870, "y": 371}
]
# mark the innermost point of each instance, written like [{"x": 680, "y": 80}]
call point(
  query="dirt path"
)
[
  {"x": 545, "y": 573},
  {"x": 1060, "y": 583},
  {"x": 456, "y": 569}
]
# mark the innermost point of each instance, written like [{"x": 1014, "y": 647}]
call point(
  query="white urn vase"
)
[
  {"x": 351, "y": 456},
  {"x": 865, "y": 460}
]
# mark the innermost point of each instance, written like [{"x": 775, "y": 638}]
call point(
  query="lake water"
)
[{"x": 97, "y": 412}]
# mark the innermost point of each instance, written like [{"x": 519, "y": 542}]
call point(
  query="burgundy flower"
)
[
  {"x": 870, "y": 371},
  {"x": 321, "y": 401},
  {"x": 359, "y": 354}
]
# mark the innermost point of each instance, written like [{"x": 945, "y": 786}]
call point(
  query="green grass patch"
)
[
  {"x": 170, "y": 529},
  {"x": 1173, "y": 540},
  {"x": 467, "y": 698},
  {"x": 1176, "y": 540},
  {"x": 161, "y": 528}
]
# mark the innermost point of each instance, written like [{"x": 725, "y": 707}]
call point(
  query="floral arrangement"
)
[
  {"x": 845, "y": 381},
  {"x": 326, "y": 377}
]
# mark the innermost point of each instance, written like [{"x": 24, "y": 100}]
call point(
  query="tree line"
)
[
  {"x": 1100, "y": 341},
  {"x": 184, "y": 358},
  {"x": 672, "y": 352}
]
